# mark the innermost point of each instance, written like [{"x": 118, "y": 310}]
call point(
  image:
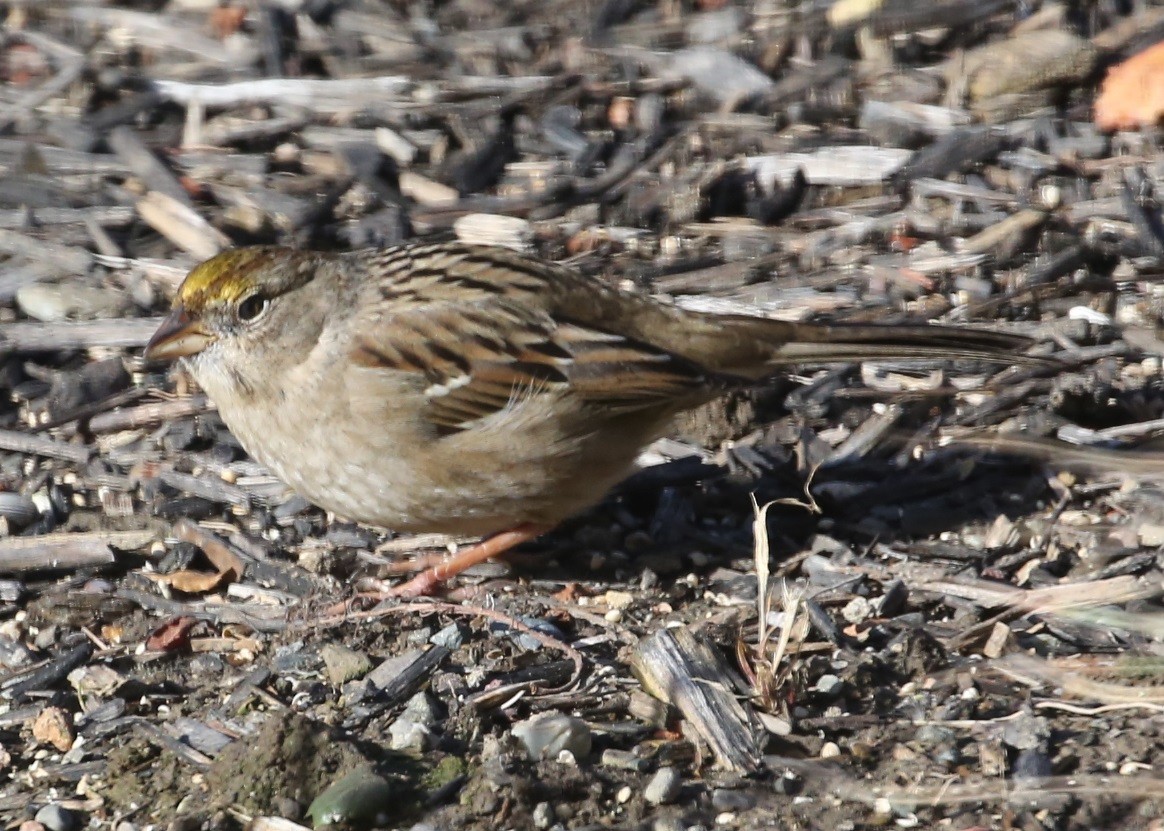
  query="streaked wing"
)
[{"x": 482, "y": 357}]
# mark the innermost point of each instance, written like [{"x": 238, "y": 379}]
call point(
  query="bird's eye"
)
[{"x": 252, "y": 308}]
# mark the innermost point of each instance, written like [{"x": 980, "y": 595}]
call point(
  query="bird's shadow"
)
[{"x": 688, "y": 515}]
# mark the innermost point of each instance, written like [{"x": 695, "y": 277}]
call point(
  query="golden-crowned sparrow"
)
[{"x": 473, "y": 390}]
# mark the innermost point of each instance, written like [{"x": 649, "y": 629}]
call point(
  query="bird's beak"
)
[{"x": 177, "y": 337}]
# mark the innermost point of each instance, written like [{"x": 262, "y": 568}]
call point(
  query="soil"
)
[{"x": 950, "y": 614}]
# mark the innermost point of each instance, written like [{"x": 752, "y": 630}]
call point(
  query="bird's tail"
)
[
  {"x": 751, "y": 347},
  {"x": 840, "y": 342}
]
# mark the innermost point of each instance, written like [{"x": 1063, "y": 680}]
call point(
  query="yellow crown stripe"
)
[{"x": 226, "y": 277}]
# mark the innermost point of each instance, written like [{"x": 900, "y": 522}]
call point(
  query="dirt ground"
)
[{"x": 948, "y": 615}]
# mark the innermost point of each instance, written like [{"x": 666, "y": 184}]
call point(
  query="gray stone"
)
[
  {"x": 543, "y": 815},
  {"x": 857, "y": 609},
  {"x": 55, "y": 818},
  {"x": 63, "y": 301},
  {"x": 829, "y": 685},
  {"x": 725, "y": 799},
  {"x": 361, "y": 798},
  {"x": 409, "y": 735},
  {"x": 546, "y": 736},
  {"x": 422, "y": 708},
  {"x": 420, "y": 637},
  {"x": 1031, "y": 764},
  {"x": 789, "y": 784},
  {"x": 1026, "y": 732},
  {"x": 451, "y": 637},
  {"x": 664, "y": 786},
  {"x": 344, "y": 664}
]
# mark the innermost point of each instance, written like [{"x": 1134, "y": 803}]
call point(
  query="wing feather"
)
[{"x": 479, "y": 359}]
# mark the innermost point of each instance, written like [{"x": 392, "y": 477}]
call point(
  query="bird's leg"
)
[{"x": 429, "y": 579}]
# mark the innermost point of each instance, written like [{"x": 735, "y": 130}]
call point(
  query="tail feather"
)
[
  {"x": 826, "y": 343},
  {"x": 752, "y": 347}
]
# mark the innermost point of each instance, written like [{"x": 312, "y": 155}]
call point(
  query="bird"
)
[{"x": 475, "y": 390}]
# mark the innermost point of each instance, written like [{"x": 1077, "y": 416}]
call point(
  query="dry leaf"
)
[
  {"x": 172, "y": 635},
  {"x": 54, "y": 727},
  {"x": 1133, "y": 92},
  {"x": 192, "y": 582},
  {"x": 96, "y": 679},
  {"x": 226, "y": 20},
  {"x": 226, "y": 561}
]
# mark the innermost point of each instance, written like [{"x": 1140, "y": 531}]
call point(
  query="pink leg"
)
[{"x": 427, "y": 581}]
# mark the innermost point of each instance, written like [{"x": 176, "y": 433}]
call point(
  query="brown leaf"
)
[
  {"x": 226, "y": 20},
  {"x": 192, "y": 582},
  {"x": 54, "y": 727},
  {"x": 568, "y": 593},
  {"x": 228, "y": 563},
  {"x": 172, "y": 635},
  {"x": 1133, "y": 92}
]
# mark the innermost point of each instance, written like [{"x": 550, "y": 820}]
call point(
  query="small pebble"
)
[
  {"x": 618, "y": 599},
  {"x": 948, "y": 756},
  {"x": 624, "y": 794},
  {"x": 623, "y": 760},
  {"x": 718, "y": 72},
  {"x": 664, "y": 786},
  {"x": 55, "y": 818},
  {"x": 207, "y": 665},
  {"x": 359, "y": 798},
  {"x": 829, "y": 685},
  {"x": 18, "y": 510},
  {"x": 830, "y": 750},
  {"x": 54, "y": 727},
  {"x": 287, "y": 808},
  {"x": 451, "y": 637},
  {"x": 935, "y": 734},
  {"x": 409, "y": 735},
  {"x": 543, "y": 815},
  {"x": 287, "y": 152},
  {"x": 857, "y": 610},
  {"x": 14, "y": 654},
  {"x": 422, "y": 708},
  {"x": 1026, "y": 732},
  {"x": 51, "y": 302},
  {"x": 1031, "y": 764},
  {"x": 420, "y": 637},
  {"x": 344, "y": 664},
  {"x": 725, "y": 799},
  {"x": 789, "y": 784},
  {"x": 546, "y": 736},
  {"x": 526, "y": 641}
]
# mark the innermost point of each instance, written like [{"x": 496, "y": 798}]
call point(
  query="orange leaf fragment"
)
[
  {"x": 1132, "y": 94},
  {"x": 190, "y": 581},
  {"x": 172, "y": 635},
  {"x": 53, "y": 726},
  {"x": 226, "y": 20}
]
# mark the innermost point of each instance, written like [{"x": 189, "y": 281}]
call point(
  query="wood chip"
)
[{"x": 678, "y": 667}]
